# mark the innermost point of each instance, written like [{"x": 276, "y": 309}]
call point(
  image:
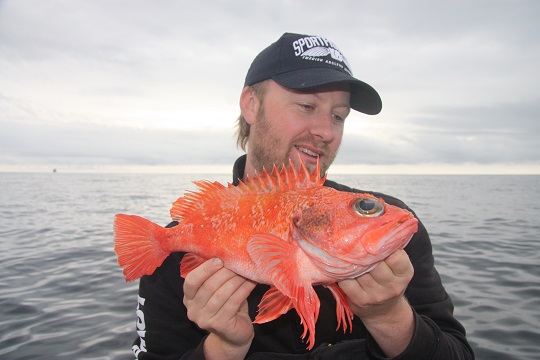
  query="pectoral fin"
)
[{"x": 278, "y": 258}]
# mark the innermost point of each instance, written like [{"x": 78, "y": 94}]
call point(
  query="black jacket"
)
[{"x": 165, "y": 332}]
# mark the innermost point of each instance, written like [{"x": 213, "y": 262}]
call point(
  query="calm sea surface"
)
[{"x": 62, "y": 295}]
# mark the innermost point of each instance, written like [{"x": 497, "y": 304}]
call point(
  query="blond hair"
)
[{"x": 242, "y": 126}]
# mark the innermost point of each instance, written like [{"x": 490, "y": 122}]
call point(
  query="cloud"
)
[
  {"x": 458, "y": 79},
  {"x": 92, "y": 145},
  {"x": 501, "y": 133}
]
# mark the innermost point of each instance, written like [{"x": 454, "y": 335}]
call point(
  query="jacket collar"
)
[{"x": 238, "y": 169}]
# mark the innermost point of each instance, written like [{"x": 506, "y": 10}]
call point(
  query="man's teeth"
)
[{"x": 306, "y": 151}]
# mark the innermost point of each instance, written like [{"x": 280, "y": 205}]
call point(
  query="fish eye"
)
[{"x": 368, "y": 207}]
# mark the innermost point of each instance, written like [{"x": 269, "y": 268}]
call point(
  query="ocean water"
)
[{"x": 62, "y": 295}]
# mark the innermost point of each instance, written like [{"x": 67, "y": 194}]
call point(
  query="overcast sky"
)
[{"x": 98, "y": 85}]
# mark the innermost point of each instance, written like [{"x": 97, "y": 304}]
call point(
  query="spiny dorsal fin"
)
[
  {"x": 194, "y": 201},
  {"x": 263, "y": 183},
  {"x": 284, "y": 179}
]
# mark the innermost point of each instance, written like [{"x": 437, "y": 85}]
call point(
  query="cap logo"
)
[{"x": 316, "y": 48}]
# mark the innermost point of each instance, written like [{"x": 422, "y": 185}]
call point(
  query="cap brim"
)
[{"x": 364, "y": 98}]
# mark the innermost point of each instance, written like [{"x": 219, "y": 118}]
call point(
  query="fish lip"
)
[{"x": 402, "y": 226}]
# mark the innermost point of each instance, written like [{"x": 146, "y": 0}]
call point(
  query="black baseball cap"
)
[{"x": 304, "y": 62}]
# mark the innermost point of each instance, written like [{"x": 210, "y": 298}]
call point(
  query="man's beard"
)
[{"x": 267, "y": 148}]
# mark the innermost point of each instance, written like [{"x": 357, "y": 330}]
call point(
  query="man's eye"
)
[
  {"x": 338, "y": 118},
  {"x": 306, "y": 106}
]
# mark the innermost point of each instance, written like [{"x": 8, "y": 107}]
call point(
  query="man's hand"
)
[
  {"x": 377, "y": 298},
  {"x": 216, "y": 300}
]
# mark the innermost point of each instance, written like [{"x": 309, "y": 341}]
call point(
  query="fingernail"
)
[{"x": 217, "y": 262}]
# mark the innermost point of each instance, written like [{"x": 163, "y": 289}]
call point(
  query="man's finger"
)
[{"x": 196, "y": 278}]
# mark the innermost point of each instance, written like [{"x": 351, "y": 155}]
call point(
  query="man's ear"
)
[{"x": 249, "y": 104}]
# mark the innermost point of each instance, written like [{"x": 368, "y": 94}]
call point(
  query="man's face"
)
[{"x": 297, "y": 125}]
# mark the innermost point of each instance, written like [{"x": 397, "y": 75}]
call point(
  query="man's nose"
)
[{"x": 323, "y": 128}]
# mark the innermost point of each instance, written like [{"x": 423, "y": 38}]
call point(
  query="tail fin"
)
[{"x": 137, "y": 243}]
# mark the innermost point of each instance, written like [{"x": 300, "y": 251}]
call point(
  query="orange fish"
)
[{"x": 284, "y": 229}]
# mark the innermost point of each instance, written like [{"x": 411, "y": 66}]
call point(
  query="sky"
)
[{"x": 153, "y": 86}]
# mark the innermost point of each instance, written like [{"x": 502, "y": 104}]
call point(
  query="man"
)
[{"x": 297, "y": 94}]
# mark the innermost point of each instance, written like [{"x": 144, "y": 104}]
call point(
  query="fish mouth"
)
[
  {"x": 400, "y": 236},
  {"x": 397, "y": 236}
]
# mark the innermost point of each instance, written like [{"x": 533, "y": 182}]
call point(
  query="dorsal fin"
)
[
  {"x": 263, "y": 183},
  {"x": 284, "y": 179},
  {"x": 194, "y": 201}
]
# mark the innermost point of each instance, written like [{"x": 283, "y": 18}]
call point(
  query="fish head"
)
[{"x": 347, "y": 234}]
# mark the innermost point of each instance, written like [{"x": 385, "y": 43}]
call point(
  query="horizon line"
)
[{"x": 336, "y": 169}]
